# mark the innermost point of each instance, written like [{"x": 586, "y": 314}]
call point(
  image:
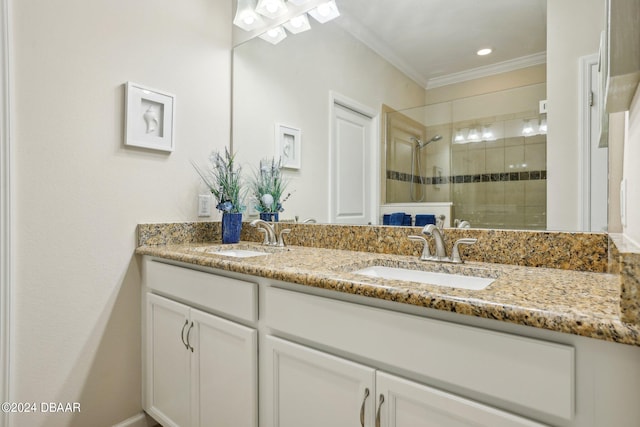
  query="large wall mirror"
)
[{"x": 389, "y": 108}]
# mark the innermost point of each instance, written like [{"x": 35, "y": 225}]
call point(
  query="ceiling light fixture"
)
[
  {"x": 298, "y": 24},
  {"x": 274, "y": 35},
  {"x": 543, "y": 125},
  {"x": 459, "y": 138},
  {"x": 484, "y": 51},
  {"x": 325, "y": 12},
  {"x": 487, "y": 133},
  {"x": 473, "y": 135},
  {"x": 271, "y": 8},
  {"x": 246, "y": 16}
]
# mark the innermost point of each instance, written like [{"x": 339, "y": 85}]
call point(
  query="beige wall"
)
[
  {"x": 631, "y": 172},
  {"x": 79, "y": 193},
  {"x": 573, "y": 30}
]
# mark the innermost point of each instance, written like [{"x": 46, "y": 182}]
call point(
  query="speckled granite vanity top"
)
[{"x": 575, "y": 302}]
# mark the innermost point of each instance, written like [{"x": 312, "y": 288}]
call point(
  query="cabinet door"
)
[
  {"x": 305, "y": 387},
  {"x": 224, "y": 372},
  {"x": 409, "y": 404},
  {"x": 167, "y": 362}
]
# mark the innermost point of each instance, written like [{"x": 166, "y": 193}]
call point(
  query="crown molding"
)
[{"x": 488, "y": 70}]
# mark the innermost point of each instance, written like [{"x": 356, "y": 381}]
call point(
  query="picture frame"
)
[
  {"x": 288, "y": 145},
  {"x": 149, "y": 118}
]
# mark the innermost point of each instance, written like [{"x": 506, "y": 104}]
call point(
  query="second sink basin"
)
[{"x": 427, "y": 277}]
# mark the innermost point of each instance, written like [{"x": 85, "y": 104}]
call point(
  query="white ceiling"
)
[{"x": 431, "y": 39}]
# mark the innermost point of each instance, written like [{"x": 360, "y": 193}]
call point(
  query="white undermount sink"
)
[
  {"x": 427, "y": 277},
  {"x": 241, "y": 253},
  {"x": 241, "y": 250}
]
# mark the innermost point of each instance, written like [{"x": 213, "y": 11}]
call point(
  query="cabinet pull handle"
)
[
  {"x": 366, "y": 394},
  {"x": 378, "y": 413},
  {"x": 186, "y": 322},
  {"x": 189, "y": 333}
]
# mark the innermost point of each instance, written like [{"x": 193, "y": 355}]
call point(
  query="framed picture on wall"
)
[
  {"x": 149, "y": 118},
  {"x": 288, "y": 146}
]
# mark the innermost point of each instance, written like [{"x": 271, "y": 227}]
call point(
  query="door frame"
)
[
  {"x": 5, "y": 208},
  {"x": 336, "y": 98},
  {"x": 584, "y": 136}
]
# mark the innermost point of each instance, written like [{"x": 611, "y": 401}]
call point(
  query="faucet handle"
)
[
  {"x": 281, "y": 242},
  {"x": 426, "y": 255},
  {"x": 455, "y": 253}
]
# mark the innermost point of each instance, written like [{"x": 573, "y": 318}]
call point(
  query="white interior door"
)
[{"x": 352, "y": 165}]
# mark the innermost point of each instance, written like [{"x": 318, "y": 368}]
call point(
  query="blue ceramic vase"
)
[
  {"x": 269, "y": 216},
  {"x": 231, "y": 226}
]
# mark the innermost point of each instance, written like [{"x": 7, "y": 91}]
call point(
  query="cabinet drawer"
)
[
  {"x": 519, "y": 371},
  {"x": 219, "y": 294}
]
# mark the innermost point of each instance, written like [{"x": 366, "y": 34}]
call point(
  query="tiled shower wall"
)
[
  {"x": 492, "y": 184},
  {"x": 502, "y": 183}
]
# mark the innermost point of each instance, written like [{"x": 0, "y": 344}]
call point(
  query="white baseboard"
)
[{"x": 139, "y": 420}]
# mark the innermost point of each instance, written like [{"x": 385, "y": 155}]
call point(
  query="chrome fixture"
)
[
  {"x": 266, "y": 17},
  {"x": 421, "y": 144},
  {"x": 269, "y": 233},
  {"x": 461, "y": 223},
  {"x": 431, "y": 230}
]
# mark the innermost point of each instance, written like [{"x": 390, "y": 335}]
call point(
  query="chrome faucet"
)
[
  {"x": 441, "y": 251},
  {"x": 432, "y": 230},
  {"x": 267, "y": 230}
]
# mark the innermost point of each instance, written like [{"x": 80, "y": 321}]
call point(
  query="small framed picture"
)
[
  {"x": 149, "y": 118},
  {"x": 288, "y": 146}
]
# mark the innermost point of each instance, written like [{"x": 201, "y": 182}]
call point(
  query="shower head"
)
[{"x": 420, "y": 143}]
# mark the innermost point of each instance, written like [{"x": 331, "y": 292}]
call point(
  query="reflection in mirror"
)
[
  {"x": 485, "y": 154},
  {"x": 302, "y": 81}
]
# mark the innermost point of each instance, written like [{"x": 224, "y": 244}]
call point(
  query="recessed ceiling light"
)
[{"x": 485, "y": 51}]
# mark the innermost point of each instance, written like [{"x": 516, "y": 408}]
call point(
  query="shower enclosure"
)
[{"x": 485, "y": 154}]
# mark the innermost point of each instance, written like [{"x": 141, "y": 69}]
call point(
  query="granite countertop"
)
[{"x": 574, "y": 302}]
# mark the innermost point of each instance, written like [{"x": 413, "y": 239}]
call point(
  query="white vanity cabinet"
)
[
  {"x": 404, "y": 403},
  {"x": 200, "y": 369},
  {"x": 330, "y": 359},
  {"x": 315, "y": 389}
]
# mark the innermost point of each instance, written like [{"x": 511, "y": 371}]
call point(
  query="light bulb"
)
[
  {"x": 325, "y": 12},
  {"x": 297, "y": 22},
  {"x": 543, "y": 126},
  {"x": 271, "y": 7},
  {"x": 527, "y": 129},
  {"x": 459, "y": 137},
  {"x": 474, "y": 135},
  {"x": 274, "y": 35},
  {"x": 487, "y": 133},
  {"x": 248, "y": 20}
]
